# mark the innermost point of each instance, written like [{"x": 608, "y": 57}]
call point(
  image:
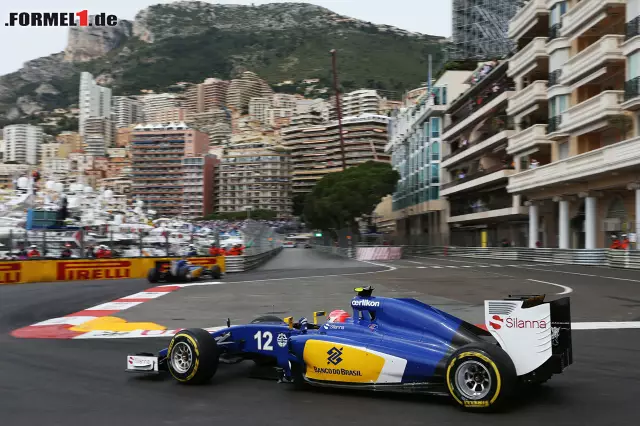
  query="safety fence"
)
[
  {"x": 337, "y": 251},
  {"x": 629, "y": 259},
  {"x": 248, "y": 262},
  {"x": 34, "y": 271}
]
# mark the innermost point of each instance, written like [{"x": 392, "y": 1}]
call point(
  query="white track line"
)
[
  {"x": 566, "y": 289},
  {"x": 412, "y": 261},
  {"x": 621, "y": 325}
]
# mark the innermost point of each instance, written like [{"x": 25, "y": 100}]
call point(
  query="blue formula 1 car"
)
[
  {"x": 389, "y": 345},
  {"x": 180, "y": 271}
]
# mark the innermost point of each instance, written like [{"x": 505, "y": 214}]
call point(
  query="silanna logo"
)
[
  {"x": 334, "y": 356},
  {"x": 61, "y": 19},
  {"x": 497, "y": 322}
]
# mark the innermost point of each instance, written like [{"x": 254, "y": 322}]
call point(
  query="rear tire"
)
[
  {"x": 153, "y": 276},
  {"x": 481, "y": 376},
  {"x": 183, "y": 275},
  {"x": 192, "y": 357},
  {"x": 216, "y": 272}
]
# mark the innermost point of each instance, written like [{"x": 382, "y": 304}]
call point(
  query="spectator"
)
[
  {"x": 66, "y": 253},
  {"x": 33, "y": 252},
  {"x": 90, "y": 252}
]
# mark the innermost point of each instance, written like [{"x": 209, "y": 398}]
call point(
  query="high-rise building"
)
[
  {"x": 72, "y": 140},
  {"x": 98, "y": 136},
  {"x": 577, "y": 157},
  {"x": 23, "y": 143},
  {"x": 49, "y": 150},
  {"x": 480, "y": 28},
  {"x": 242, "y": 89},
  {"x": 316, "y": 150},
  {"x": 284, "y": 100},
  {"x": 358, "y": 102},
  {"x": 127, "y": 111},
  {"x": 198, "y": 178},
  {"x": 211, "y": 94},
  {"x": 258, "y": 108},
  {"x": 157, "y": 153},
  {"x": 94, "y": 100},
  {"x": 255, "y": 173},
  {"x": 419, "y": 213},
  {"x": 155, "y": 106}
]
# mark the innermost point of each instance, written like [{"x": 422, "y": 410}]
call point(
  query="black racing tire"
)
[
  {"x": 267, "y": 318},
  {"x": 216, "y": 272},
  {"x": 481, "y": 376},
  {"x": 153, "y": 276},
  {"x": 193, "y": 356},
  {"x": 297, "y": 375},
  {"x": 183, "y": 274}
]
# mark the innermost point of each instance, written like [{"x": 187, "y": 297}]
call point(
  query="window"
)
[
  {"x": 633, "y": 69},
  {"x": 435, "y": 151},
  {"x": 425, "y": 128},
  {"x": 563, "y": 150},
  {"x": 435, "y": 127},
  {"x": 633, "y": 9},
  {"x": 435, "y": 193},
  {"x": 556, "y": 13},
  {"x": 435, "y": 173}
]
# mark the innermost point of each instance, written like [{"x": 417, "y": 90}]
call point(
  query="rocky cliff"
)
[
  {"x": 189, "y": 41},
  {"x": 88, "y": 43}
]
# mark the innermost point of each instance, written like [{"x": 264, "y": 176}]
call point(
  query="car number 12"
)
[{"x": 265, "y": 336}]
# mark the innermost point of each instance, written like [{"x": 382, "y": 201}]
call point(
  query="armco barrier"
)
[
  {"x": 33, "y": 271},
  {"x": 379, "y": 253},
  {"x": 248, "y": 262},
  {"x": 337, "y": 251},
  {"x": 629, "y": 259}
]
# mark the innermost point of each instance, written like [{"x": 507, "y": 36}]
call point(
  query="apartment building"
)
[
  {"x": 198, "y": 179},
  {"x": 127, "y": 111},
  {"x": 157, "y": 153},
  {"x": 316, "y": 150},
  {"x": 581, "y": 184},
  {"x": 10, "y": 172},
  {"x": 155, "y": 106},
  {"x": 255, "y": 174},
  {"x": 55, "y": 168},
  {"x": 98, "y": 135},
  {"x": 73, "y": 140},
  {"x": 312, "y": 106},
  {"x": 476, "y": 163},
  {"x": 364, "y": 101},
  {"x": 49, "y": 150},
  {"x": 415, "y": 145},
  {"x": 216, "y": 123},
  {"x": 23, "y": 143},
  {"x": 258, "y": 108},
  {"x": 94, "y": 101},
  {"x": 242, "y": 89},
  {"x": 211, "y": 94}
]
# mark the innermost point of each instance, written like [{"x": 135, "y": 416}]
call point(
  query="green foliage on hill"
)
[
  {"x": 339, "y": 198},
  {"x": 373, "y": 60}
]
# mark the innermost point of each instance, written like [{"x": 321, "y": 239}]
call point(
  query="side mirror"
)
[
  {"x": 289, "y": 321},
  {"x": 318, "y": 314}
]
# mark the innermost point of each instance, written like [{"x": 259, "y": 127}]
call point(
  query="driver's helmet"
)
[{"x": 338, "y": 316}]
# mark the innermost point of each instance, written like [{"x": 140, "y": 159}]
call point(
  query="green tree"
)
[
  {"x": 298, "y": 204},
  {"x": 339, "y": 198}
]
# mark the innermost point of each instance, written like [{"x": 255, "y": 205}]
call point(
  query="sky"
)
[{"x": 18, "y": 45}]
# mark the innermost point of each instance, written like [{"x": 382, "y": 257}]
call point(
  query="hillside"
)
[{"x": 189, "y": 41}]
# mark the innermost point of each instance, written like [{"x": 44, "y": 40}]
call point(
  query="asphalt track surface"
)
[{"x": 80, "y": 382}]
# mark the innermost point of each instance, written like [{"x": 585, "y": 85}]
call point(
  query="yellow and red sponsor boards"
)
[{"x": 34, "y": 271}]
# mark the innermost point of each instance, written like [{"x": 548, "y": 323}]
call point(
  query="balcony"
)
[
  {"x": 632, "y": 28},
  {"x": 526, "y": 18},
  {"x": 477, "y": 113},
  {"x": 580, "y": 167},
  {"x": 486, "y": 144},
  {"x": 527, "y": 56},
  {"x": 489, "y": 214},
  {"x": 607, "y": 49},
  {"x": 592, "y": 113},
  {"x": 534, "y": 93},
  {"x": 528, "y": 138},
  {"x": 475, "y": 180},
  {"x": 632, "y": 95},
  {"x": 585, "y": 14}
]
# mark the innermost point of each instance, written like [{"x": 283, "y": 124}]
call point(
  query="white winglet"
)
[{"x": 524, "y": 334}]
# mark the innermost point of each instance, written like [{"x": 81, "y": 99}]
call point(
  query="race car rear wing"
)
[{"x": 534, "y": 333}]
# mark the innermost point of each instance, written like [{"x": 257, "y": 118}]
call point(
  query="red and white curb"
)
[{"x": 63, "y": 327}]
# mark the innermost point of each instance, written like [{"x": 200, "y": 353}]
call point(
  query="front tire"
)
[
  {"x": 192, "y": 357},
  {"x": 481, "y": 376},
  {"x": 216, "y": 272},
  {"x": 153, "y": 276}
]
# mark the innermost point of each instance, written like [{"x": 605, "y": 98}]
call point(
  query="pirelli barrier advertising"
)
[{"x": 37, "y": 271}]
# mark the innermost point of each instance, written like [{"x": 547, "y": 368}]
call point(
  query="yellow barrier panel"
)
[{"x": 37, "y": 271}]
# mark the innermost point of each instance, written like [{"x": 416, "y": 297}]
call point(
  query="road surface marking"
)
[
  {"x": 412, "y": 261},
  {"x": 566, "y": 289}
]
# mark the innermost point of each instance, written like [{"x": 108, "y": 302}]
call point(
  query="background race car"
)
[{"x": 181, "y": 271}]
